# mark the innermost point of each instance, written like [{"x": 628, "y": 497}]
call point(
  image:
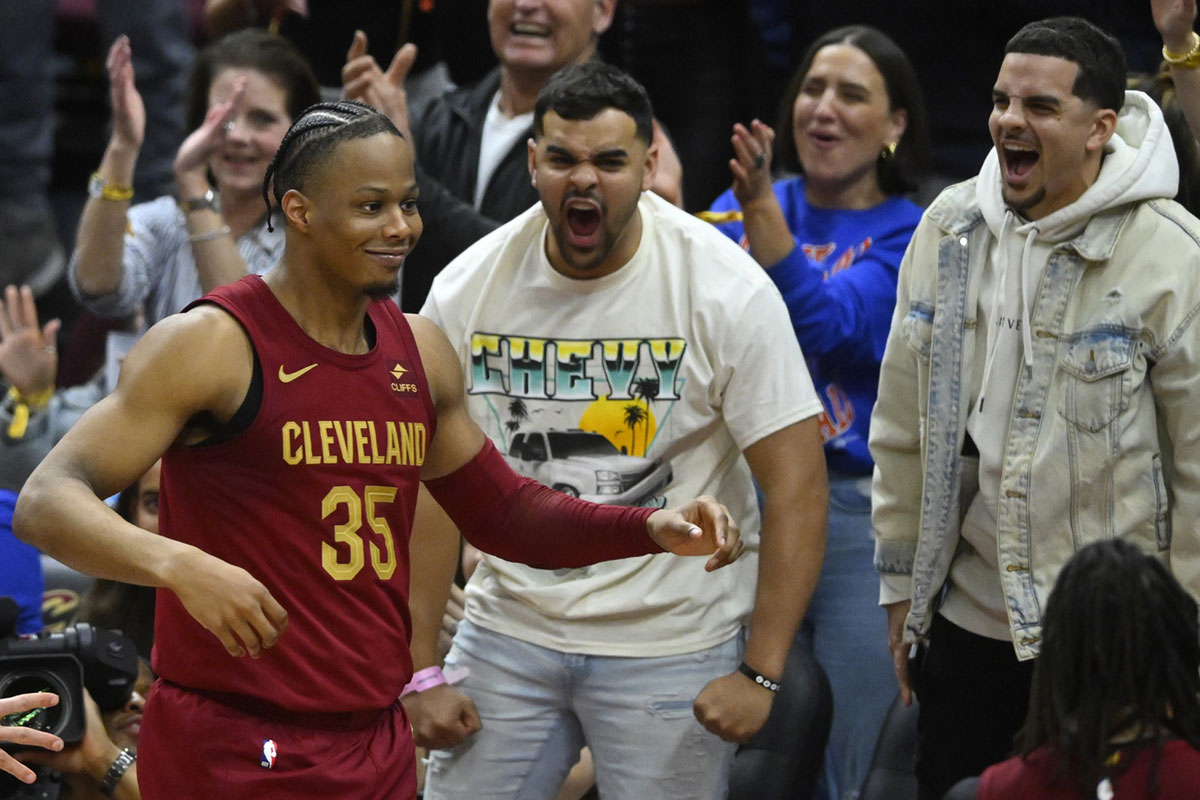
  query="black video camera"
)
[{"x": 103, "y": 661}]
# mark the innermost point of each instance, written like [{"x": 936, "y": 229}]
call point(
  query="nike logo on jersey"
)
[{"x": 288, "y": 377}]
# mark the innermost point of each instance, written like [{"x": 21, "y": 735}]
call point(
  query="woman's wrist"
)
[
  {"x": 192, "y": 183},
  {"x": 118, "y": 164}
]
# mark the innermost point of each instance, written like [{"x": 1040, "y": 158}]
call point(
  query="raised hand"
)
[
  {"x": 230, "y": 603},
  {"x": 198, "y": 147},
  {"x": 19, "y": 735},
  {"x": 1174, "y": 20},
  {"x": 751, "y": 165},
  {"x": 28, "y": 357},
  {"x": 363, "y": 80},
  {"x": 701, "y": 527},
  {"x": 129, "y": 112}
]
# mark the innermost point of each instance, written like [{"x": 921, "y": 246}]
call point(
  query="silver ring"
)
[
  {"x": 229, "y": 126},
  {"x": 759, "y": 160}
]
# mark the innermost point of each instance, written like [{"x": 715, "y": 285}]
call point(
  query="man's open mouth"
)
[{"x": 1018, "y": 161}]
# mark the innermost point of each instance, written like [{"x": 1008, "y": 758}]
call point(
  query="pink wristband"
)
[{"x": 425, "y": 679}]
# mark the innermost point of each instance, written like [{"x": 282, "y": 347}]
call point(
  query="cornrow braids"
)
[
  {"x": 1120, "y": 658},
  {"x": 314, "y": 134}
]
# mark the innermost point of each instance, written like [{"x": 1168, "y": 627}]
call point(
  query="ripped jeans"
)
[{"x": 540, "y": 706}]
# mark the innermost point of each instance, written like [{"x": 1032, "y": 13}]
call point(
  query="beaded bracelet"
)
[{"x": 1188, "y": 60}]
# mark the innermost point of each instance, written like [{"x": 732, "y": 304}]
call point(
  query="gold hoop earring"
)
[{"x": 889, "y": 150}]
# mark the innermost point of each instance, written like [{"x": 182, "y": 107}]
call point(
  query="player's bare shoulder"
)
[
  {"x": 439, "y": 360},
  {"x": 201, "y": 359}
]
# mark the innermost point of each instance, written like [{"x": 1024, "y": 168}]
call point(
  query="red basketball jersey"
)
[{"x": 315, "y": 499}]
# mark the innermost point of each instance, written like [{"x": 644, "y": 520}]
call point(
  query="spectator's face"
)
[
  {"x": 589, "y": 175},
  {"x": 841, "y": 121},
  {"x": 124, "y": 725},
  {"x": 259, "y": 124},
  {"x": 360, "y": 211},
  {"x": 1048, "y": 140},
  {"x": 145, "y": 509},
  {"x": 543, "y": 36}
]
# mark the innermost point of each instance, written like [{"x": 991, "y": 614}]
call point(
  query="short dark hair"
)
[
  {"x": 1101, "y": 61},
  {"x": 902, "y": 172},
  {"x": 582, "y": 91},
  {"x": 1120, "y": 651},
  {"x": 260, "y": 51},
  {"x": 315, "y": 133}
]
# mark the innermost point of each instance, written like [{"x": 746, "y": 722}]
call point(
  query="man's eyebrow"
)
[
  {"x": 1042, "y": 99},
  {"x": 612, "y": 152}
]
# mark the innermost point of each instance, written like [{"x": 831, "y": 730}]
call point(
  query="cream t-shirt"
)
[{"x": 642, "y": 388}]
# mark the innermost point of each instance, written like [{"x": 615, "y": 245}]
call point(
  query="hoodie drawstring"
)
[
  {"x": 998, "y": 296},
  {"x": 1026, "y": 334}
]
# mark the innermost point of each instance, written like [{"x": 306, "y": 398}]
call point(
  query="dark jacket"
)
[{"x": 447, "y": 147}]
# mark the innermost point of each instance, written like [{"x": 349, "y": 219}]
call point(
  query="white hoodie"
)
[{"x": 1139, "y": 164}]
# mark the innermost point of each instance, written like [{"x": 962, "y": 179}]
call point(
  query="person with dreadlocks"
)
[
  {"x": 295, "y": 414},
  {"x": 1114, "y": 710}
]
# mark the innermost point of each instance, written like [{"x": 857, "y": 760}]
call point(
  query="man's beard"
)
[
  {"x": 384, "y": 290},
  {"x": 1024, "y": 207}
]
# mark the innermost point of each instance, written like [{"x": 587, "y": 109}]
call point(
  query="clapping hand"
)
[
  {"x": 363, "y": 80},
  {"x": 751, "y": 165}
]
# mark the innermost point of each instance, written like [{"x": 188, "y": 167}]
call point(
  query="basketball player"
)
[{"x": 295, "y": 414}]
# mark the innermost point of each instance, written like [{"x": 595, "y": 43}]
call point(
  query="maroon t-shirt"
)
[
  {"x": 315, "y": 498},
  {"x": 1028, "y": 779}
]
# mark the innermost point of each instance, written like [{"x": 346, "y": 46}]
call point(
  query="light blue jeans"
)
[
  {"x": 847, "y": 631},
  {"x": 540, "y": 706}
]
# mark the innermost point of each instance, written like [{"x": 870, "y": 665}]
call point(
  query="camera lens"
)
[{"x": 43, "y": 719}]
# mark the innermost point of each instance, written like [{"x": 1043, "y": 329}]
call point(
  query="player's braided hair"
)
[
  {"x": 314, "y": 134},
  {"x": 1120, "y": 657}
]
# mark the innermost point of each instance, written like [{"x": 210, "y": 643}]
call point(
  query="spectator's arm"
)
[
  {"x": 1175, "y": 20},
  {"x": 100, "y": 241}
]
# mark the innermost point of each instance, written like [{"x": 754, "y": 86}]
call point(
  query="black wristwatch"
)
[{"x": 207, "y": 201}]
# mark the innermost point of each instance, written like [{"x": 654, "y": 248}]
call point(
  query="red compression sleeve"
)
[{"x": 518, "y": 519}]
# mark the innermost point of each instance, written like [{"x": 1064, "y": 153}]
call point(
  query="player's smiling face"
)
[
  {"x": 1049, "y": 141},
  {"x": 364, "y": 220},
  {"x": 589, "y": 174}
]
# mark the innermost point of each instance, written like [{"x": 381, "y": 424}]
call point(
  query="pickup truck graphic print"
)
[{"x": 581, "y": 416}]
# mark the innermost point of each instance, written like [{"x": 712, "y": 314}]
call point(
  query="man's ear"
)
[
  {"x": 602, "y": 15},
  {"x": 650, "y": 170},
  {"x": 296, "y": 209},
  {"x": 1103, "y": 127},
  {"x": 532, "y": 145}
]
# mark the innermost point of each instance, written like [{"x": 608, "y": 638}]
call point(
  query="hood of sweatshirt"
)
[{"x": 1139, "y": 164}]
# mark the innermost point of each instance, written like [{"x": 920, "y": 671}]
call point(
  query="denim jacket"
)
[{"x": 1104, "y": 435}]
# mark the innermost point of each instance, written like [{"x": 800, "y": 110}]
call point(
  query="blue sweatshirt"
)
[{"x": 839, "y": 284}]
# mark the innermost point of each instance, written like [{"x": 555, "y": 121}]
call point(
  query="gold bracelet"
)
[
  {"x": 101, "y": 188},
  {"x": 23, "y": 407},
  {"x": 1188, "y": 60}
]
